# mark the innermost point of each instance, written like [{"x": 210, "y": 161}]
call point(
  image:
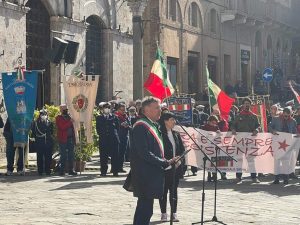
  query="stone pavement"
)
[{"x": 89, "y": 199}]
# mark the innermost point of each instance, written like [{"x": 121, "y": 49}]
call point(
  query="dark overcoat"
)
[{"x": 147, "y": 164}]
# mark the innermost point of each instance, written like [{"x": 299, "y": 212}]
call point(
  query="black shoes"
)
[
  {"x": 72, "y": 173},
  {"x": 276, "y": 182}
]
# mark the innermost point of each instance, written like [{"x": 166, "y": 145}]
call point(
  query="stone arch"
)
[
  {"x": 100, "y": 8},
  {"x": 95, "y": 53},
  {"x": 37, "y": 43},
  {"x": 164, "y": 9},
  {"x": 187, "y": 13},
  {"x": 54, "y": 7}
]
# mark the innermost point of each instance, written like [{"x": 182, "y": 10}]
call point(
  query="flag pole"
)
[{"x": 208, "y": 92}]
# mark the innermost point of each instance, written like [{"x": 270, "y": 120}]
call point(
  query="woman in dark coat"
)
[{"x": 173, "y": 147}]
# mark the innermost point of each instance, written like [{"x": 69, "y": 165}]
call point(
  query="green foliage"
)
[{"x": 84, "y": 150}]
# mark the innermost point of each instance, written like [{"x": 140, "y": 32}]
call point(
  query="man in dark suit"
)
[
  {"x": 107, "y": 126},
  {"x": 147, "y": 161}
]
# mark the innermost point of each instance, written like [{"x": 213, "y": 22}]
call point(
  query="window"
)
[
  {"x": 172, "y": 69},
  {"x": 194, "y": 15},
  {"x": 94, "y": 51},
  {"x": 173, "y": 10},
  {"x": 213, "y": 21},
  {"x": 193, "y": 72}
]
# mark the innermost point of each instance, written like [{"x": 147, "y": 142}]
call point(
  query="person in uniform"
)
[
  {"x": 42, "y": 130},
  {"x": 107, "y": 126}
]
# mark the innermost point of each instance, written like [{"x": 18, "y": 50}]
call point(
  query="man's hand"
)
[
  {"x": 233, "y": 132},
  {"x": 173, "y": 160},
  {"x": 274, "y": 132}
]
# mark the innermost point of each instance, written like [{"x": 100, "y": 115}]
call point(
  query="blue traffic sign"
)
[{"x": 267, "y": 75}]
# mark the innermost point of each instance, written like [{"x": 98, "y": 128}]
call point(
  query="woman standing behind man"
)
[{"x": 173, "y": 146}]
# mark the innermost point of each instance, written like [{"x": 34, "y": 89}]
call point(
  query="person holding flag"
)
[{"x": 246, "y": 121}]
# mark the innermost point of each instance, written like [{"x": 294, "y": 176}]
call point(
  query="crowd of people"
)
[{"x": 141, "y": 132}]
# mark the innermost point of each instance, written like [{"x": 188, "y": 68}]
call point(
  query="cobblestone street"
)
[{"x": 90, "y": 199}]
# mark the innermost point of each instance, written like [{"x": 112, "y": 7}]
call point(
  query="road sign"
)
[{"x": 267, "y": 75}]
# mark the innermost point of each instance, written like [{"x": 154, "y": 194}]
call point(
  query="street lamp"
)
[{"x": 137, "y": 8}]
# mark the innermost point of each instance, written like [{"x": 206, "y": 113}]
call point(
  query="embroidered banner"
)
[
  {"x": 20, "y": 90},
  {"x": 264, "y": 153},
  {"x": 80, "y": 93}
]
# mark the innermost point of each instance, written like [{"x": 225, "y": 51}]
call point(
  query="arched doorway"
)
[
  {"x": 37, "y": 43},
  {"x": 95, "y": 53}
]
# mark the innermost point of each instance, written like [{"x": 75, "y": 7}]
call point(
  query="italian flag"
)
[
  {"x": 261, "y": 113},
  {"x": 158, "y": 83},
  {"x": 218, "y": 99}
]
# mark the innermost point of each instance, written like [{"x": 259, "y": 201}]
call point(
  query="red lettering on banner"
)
[
  {"x": 210, "y": 150},
  {"x": 254, "y": 152},
  {"x": 230, "y": 149},
  {"x": 184, "y": 136},
  {"x": 258, "y": 142},
  {"x": 225, "y": 142},
  {"x": 240, "y": 150},
  {"x": 203, "y": 139},
  {"x": 268, "y": 141},
  {"x": 241, "y": 141},
  {"x": 270, "y": 150},
  {"x": 194, "y": 146},
  {"x": 248, "y": 141},
  {"x": 217, "y": 140}
]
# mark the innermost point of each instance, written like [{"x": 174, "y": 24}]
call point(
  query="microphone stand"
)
[
  {"x": 217, "y": 148},
  {"x": 205, "y": 158}
]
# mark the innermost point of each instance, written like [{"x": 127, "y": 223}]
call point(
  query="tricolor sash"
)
[{"x": 153, "y": 130}]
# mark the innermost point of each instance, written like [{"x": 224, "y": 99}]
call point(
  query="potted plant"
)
[{"x": 84, "y": 151}]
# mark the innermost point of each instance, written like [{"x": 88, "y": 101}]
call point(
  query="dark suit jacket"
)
[
  {"x": 108, "y": 128},
  {"x": 147, "y": 164}
]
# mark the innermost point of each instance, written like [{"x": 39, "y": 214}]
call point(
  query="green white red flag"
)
[
  {"x": 218, "y": 99},
  {"x": 260, "y": 111},
  {"x": 158, "y": 83}
]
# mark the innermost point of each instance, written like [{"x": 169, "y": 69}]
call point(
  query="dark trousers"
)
[
  {"x": 10, "y": 156},
  {"x": 123, "y": 146},
  {"x": 239, "y": 175},
  {"x": 169, "y": 188},
  {"x": 111, "y": 149},
  {"x": 194, "y": 169},
  {"x": 67, "y": 154},
  {"x": 143, "y": 211},
  {"x": 44, "y": 157}
]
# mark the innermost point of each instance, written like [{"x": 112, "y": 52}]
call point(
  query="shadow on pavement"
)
[
  {"x": 293, "y": 188},
  {"x": 81, "y": 185}
]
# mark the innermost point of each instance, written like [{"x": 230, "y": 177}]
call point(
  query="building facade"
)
[
  {"x": 103, "y": 29},
  {"x": 236, "y": 39}
]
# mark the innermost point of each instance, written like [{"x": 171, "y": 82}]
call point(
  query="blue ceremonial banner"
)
[{"x": 19, "y": 91}]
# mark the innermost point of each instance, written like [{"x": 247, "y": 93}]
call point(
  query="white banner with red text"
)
[{"x": 263, "y": 153}]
